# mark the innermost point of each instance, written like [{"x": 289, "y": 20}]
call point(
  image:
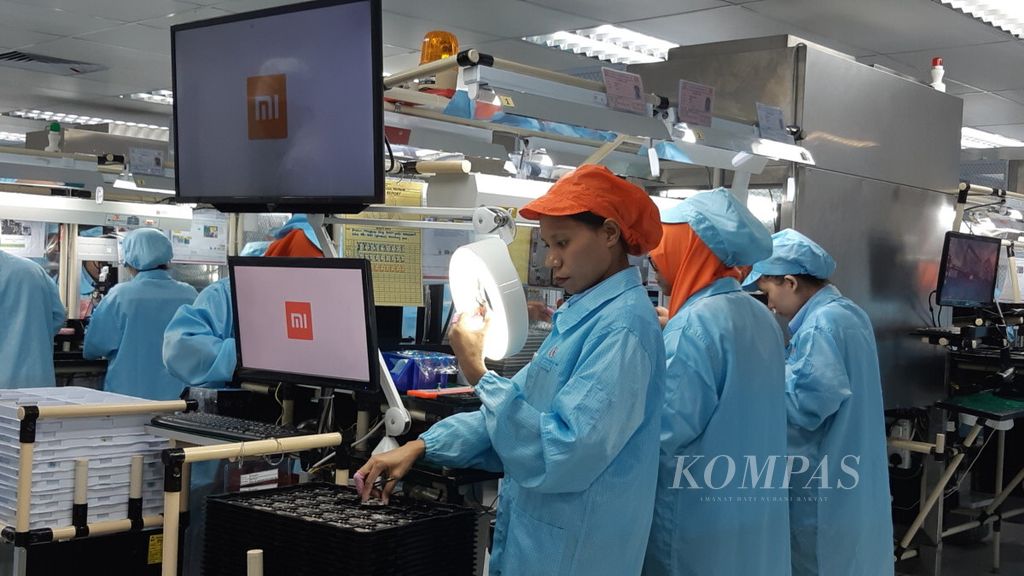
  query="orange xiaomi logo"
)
[{"x": 267, "y": 104}]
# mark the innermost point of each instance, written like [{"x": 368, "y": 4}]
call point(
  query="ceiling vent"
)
[{"x": 47, "y": 64}]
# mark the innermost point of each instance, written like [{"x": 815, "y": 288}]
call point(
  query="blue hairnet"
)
[
  {"x": 735, "y": 235},
  {"x": 254, "y": 248},
  {"x": 147, "y": 248},
  {"x": 297, "y": 222},
  {"x": 792, "y": 253}
]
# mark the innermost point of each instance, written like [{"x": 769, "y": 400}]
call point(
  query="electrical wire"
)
[
  {"x": 391, "y": 155},
  {"x": 931, "y": 312},
  {"x": 370, "y": 433}
]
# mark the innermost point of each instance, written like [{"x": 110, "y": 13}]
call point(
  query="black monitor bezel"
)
[
  {"x": 310, "y": 204},
  {"x": 941, "y": 281},
  {"x": 272, "y": 376}
]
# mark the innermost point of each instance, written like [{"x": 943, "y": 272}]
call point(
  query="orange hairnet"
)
[
  {"x": 687, "y": 262},
  {"x": 593, "y": 188},
  {"x": 294, "y": 244}
]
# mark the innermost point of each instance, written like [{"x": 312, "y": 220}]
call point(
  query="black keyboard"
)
[{"x": 224, "y": 427}]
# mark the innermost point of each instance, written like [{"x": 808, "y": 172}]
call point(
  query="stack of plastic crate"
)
[
  {"x": 107, "y": 442},
  {"x": 317, "y": 529}
]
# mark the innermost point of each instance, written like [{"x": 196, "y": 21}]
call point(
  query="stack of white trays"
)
[{"x": 107, "y": 442}]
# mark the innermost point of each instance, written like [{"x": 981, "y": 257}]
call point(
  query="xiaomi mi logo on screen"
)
[
  {"x": 267, "y": 100},
  {"x": 298, "y": 317}
]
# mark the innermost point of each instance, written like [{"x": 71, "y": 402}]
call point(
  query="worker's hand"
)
[
  {"x": 539, "y": 311},
  {"x": 662, "y": 315},
  {"x": 390, "y": 467},
  {"x": 466, "y": 337}
]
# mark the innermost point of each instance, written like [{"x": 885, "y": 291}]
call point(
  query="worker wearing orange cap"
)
[
  {"x": 724, "y": 401},
  {"x": 575, "y": 431}
]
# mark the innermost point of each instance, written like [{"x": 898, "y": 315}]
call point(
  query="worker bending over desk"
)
[
  {"x": 576, "y": 430},
  {"x": 835, "y": 412}
]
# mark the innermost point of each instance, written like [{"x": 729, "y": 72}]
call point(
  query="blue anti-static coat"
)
[
  {"x": 199, "y": 343},
  {"x": 834, "y": 403},
  {"x": 31, "y": 313},
  {"x": 576, "y": 434},
  {"x": 724, "y": 399},
  {"x": 128, "y": 329}
]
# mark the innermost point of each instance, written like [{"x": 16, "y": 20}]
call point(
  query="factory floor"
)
[{"x": 975, "y": 558}]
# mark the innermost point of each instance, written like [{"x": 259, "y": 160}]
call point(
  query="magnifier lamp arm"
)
[
  {"x": 396, "y": 419},
  {"x": 494, "y": 221}
]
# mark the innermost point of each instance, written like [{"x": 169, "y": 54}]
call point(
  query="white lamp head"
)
[{"x": 482, "y": 273}]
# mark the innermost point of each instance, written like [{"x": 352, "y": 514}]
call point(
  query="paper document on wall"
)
[
  {"x": 206, "y": 242},
  {"x": 395, "y": 253},
  {"x": 23, "y": 238}
]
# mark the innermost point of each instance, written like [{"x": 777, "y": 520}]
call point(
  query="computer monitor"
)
[
  {"x": 967, "y": 273},
  {"x": 305, "y": 321},
  {"x": 281, "y": 109}
]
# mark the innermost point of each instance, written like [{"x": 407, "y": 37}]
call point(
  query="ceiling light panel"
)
[
  {"x": 165, "y": 97},
  {"x": 974, "y": 138},
  {"x": 65, "y": 118},
  {"x": 609, "y": 43},
  {"x": 1007, "y": 15}
]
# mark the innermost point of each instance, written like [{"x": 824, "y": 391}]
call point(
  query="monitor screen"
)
[
  {"x": 305, "y": 321},
  {"x": 280, "y": 109},
  {"x": 967, "y": 274}
]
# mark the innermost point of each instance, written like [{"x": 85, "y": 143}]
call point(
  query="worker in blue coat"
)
[
  {"x": 840, "y": 515},
  {"x": 576, "y": 430},
  {"x": 31, "y": 313},
  {"x": 127, "y": 328},
  {"x": 724, "y": 414}
]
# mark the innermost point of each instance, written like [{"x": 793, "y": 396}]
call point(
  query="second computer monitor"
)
[
  {"x": 967, "y": 274},
  {"x": 305, "y": 321}
]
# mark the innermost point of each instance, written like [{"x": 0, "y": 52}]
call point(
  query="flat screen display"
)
[
  {"x": 967, "y": 274},
  {"x": 280, "y": 108},
  {"x": 305, "y": 321}
]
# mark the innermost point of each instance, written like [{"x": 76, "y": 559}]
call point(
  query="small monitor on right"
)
[{"x": 967, "y": 273}]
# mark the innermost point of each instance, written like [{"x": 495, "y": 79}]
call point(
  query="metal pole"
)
[
  {"x": 997, "y": 528},
  {"x": 469, "y": 57}
]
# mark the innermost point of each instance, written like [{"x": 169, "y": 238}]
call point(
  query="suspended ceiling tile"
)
[
  {"x": 121, "y": 10},
  {"x": 1008, "y": 130},
  {"x": 615, "y": 12},
  {"x": 1015, "y": 95},
  {"x": 539, "y": 56},
  {"x": 247, "y": 5},
  {"x": 11, "y": 38},
  {"x": 989, "y": 67},
  {"x": 407, "y": 32},
  {"x": 728, "y": 23},
  {"x": 166, "y": 22},
  {"x": 389, "y": 50},
  {"x": 135, "y": 37},
  {"x": 882, "y": 26},
  {"x": 989, "y": 109},
  {"x": 34, "y": 18},
  {"x": 500, "y": 18}
]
